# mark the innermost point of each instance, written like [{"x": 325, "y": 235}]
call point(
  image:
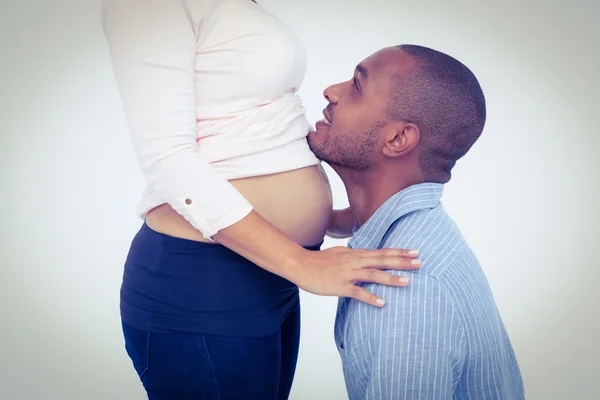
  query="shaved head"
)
[{"x": 444, "y": 99}]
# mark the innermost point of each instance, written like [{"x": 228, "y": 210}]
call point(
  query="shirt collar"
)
[{"x": 413, "y": 198}]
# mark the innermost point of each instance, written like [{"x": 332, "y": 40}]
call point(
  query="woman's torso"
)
[{"x": 251, "y": 124}]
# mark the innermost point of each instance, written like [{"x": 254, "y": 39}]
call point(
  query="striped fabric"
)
[{"x": 439, "y": 338}]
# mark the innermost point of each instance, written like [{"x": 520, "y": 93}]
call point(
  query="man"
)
[{"x": 393, "y": 134}]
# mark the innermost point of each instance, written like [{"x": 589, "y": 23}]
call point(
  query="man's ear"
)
[{"x": 402, "y": 139}]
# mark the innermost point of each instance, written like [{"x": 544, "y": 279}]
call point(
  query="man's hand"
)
[{"x": 341, "y": 224}]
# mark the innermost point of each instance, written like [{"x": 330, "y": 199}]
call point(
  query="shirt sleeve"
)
[
  {"x": 153, "y": 44},
  {"x": 415, "y": 342}
]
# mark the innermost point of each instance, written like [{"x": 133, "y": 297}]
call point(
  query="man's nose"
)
[{"x": 332, "y": 93}]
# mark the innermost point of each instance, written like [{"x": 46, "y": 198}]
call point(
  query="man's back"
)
[{"x": 440, "y": 337}]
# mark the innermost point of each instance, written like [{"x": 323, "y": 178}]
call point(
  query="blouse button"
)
[{"x": 188, "y": 201}]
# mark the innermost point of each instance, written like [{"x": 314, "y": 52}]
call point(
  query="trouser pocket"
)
[{"x": 172, "y": 365}]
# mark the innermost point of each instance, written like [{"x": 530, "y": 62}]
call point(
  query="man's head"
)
[{"x": 406, "y": 106}]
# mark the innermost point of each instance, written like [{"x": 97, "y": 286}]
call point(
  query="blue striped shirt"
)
[{"x": 439, "y": 338}]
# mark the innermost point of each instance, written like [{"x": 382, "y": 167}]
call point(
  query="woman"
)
[{"x": 235, "y": 203}]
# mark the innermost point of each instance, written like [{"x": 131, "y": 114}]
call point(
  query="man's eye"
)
[{"x": 354, "y": 83}]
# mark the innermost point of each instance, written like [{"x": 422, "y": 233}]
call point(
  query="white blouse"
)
[{"x": 209, "y": 91}]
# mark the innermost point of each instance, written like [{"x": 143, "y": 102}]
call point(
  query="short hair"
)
[{"x": 444, "y": 99}]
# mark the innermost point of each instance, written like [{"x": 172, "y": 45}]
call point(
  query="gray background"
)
[{"x": 526, "y": 197}]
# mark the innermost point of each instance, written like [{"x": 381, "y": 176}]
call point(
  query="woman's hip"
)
[
  {"x": 172, "y": 284},
  {"x": 202, "y": 366}
]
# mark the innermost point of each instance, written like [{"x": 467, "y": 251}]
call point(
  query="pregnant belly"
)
[{"x": 298, "y": 203}]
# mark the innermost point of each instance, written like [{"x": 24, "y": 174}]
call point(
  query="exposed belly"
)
[{"x": 299, "y": 203}]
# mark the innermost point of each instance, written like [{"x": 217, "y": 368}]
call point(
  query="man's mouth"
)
[
  {"x": 327, "y": 117},
  {"x": 326, "y": 121}
]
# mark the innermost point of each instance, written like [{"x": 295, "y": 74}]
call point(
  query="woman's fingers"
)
[
  {"x": 382, "y": 278},
  {"x": 337, "y": 270},
  {"x": 388, "y": 259},
  {"x": 358, "y": 293},
  {"x": 370, "y": 264}
]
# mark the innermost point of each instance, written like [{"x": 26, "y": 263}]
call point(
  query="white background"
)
[{"x": 526, "y": 196}]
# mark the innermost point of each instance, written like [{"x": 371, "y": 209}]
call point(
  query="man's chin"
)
[
  {"x": 322, "y": 157},
  {"x": 318, "y": 155},
  {"x": 310, "y": 139}
]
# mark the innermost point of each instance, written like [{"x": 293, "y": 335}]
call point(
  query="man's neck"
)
[{"x": 368, "y": 190}]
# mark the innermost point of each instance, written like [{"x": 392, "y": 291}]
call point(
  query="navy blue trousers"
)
[{"x": 181, "y": 366}]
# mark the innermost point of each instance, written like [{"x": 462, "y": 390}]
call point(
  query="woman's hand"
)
[
  {"x": 335, "y": 271},
  {"x": 330, "y": 272},
  {"x": 341, "y": 224}
]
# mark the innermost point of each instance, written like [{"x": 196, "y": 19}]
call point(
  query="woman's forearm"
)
[{"x": 256, "y": 239}]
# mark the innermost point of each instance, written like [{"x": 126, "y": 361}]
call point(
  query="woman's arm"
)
[
  {"x": 332, "y": 272},
  {"x": 153, "y": 46}
]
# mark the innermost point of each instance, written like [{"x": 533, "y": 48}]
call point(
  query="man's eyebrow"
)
[{"x": 362, "y": 71}]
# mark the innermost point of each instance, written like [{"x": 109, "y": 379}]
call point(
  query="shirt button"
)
[{"x": 188, "y": 201}]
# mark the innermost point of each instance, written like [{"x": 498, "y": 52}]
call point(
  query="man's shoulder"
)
[{"x": 433, "y": 233}]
